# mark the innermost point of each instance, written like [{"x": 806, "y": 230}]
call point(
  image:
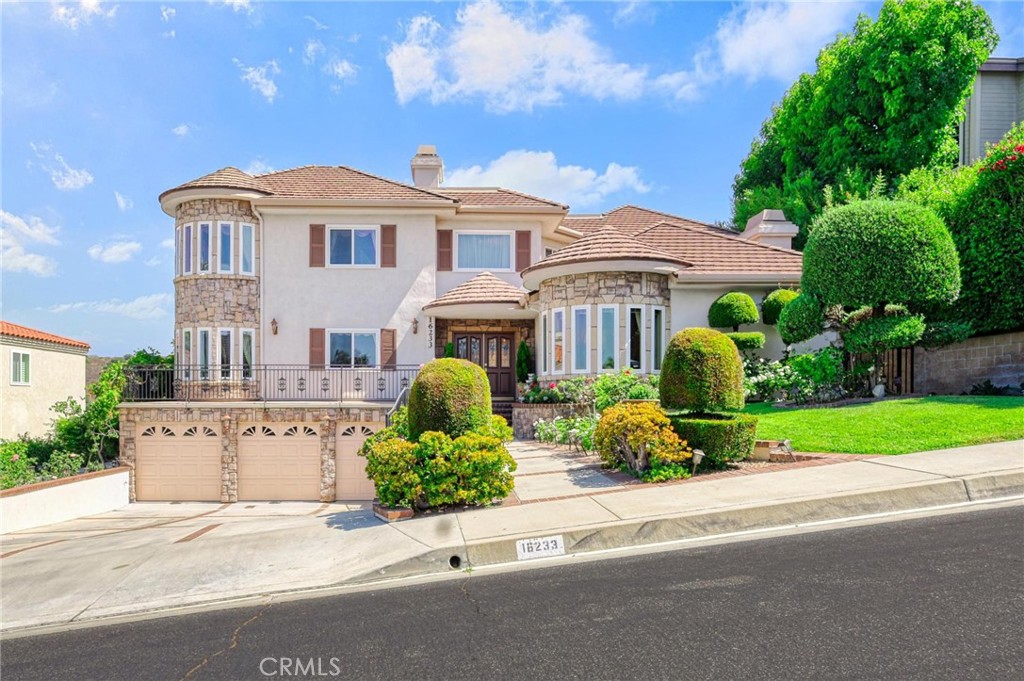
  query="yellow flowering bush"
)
[{"x": 637, "y": 437}]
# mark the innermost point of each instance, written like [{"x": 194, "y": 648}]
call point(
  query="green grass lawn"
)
[{"x": 894, "y": 426}]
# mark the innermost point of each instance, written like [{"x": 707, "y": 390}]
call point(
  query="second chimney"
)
[{"x": 427, "y": 167}]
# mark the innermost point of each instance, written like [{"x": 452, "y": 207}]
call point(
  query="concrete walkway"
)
[{"x": 153, "y": 556}]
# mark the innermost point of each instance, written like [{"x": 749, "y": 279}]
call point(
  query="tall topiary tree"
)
[
  {"x": 702, "y": 373},
  {"x": 802, "y": 319},
  {"x": 452, "y": 396},
  {"x": 524, "y": 362},
  {"x": 730, "y": 311},
  {"x": 773, "y": 303}
]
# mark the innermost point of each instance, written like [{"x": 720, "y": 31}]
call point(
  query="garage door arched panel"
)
[
  {"x": 351, "y": 483},
  {"x": 279, "y": 462},
  {"x": 178, "y": 462}
]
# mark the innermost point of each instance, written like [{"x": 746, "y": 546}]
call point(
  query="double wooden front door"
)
[{"x": 493, "y": 352}]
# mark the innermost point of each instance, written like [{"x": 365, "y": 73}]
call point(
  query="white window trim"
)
[
  {"x": 241, "y": 246},
  {"x": 664, "y": 340},
  {"x": 327, "y": 348},
  {"x": 210, "y": 357},
  {"x": 586, "y": 368},
  {"x": 242, "y": 333},
  {"x": 177, "y": 250},
  {"x": 219, "y": 345},
  {"x": 643, "y": 334},
  {"x": 554, "y": 370},
  {"x": 199, "y": 248},
  {"x": 231, "y": 247},
  {"x": 600, "y": 338},
  {"x": 488, "y": 232},
  {"x": 545, "y": 353},
  {"x": 28, "y": 354},
  {"x": 327, "y": 247},
  {"x": 188, "y": 248},
  {"x": 187, "y": 355}
]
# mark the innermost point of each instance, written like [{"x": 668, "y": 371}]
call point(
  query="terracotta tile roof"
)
[
  {"x": 714, "y": 251},
  {"x": 483, "y": 288},
  {"x": 19, "y": 331},
  {"x": 225, "y": 178},
  {"x": 606, "y": 244},
  {"x": 630, "y": 220},
  {"x": 496, "y": 196}
]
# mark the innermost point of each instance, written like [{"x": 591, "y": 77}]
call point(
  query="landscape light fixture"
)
[{"x": 698, "y": 456}]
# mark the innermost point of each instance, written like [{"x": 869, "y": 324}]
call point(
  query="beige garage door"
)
[
  {"x": 350, "y": 468},
  {"x": 177, "y": 462},
  {"x": 279, "y": 462}
]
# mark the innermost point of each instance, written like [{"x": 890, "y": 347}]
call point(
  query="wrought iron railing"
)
[{"x": 267, "y": 382}]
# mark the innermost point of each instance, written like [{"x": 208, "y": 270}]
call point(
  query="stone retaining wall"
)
[
  {"x": 525, "y": 415},
  {"x": 955, "y": 368}
]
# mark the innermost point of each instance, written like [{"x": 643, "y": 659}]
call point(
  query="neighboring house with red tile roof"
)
[
  {"x": 307, "y": 299},
  {"x": 39, "y": 369}
]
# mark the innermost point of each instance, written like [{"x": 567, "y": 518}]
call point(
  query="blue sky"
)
[{"x": 597, "y": 104}]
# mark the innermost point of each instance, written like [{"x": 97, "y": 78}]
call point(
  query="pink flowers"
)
[
  {"x": 15, "y": 457},
  {"x": 552, "y": 385}
]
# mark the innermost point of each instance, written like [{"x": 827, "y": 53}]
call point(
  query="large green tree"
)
[{"x": 884, "y": 99}]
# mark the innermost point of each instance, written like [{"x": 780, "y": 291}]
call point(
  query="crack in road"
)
[{"x": 234, "y": 642}]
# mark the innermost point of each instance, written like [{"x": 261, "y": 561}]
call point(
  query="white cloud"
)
[
  {"x": 16, "y": 235},
  {"x": 314, "y": 48},
  {"x": 514, "y": 62},
  {"x": 169, "y": 34},
  {"x": 342, "y": 69},
  {"x": 633, "y": 12},
  {"x": 153, "y": 262},
  {"x": 63, "y": 176},
  {"x": 239, "y": 5},
  {"x": 258, "y": 166},
  {"x": 144, "y": 307},
  {"x": 74, "y": 15},
  {"x": 167, "y": 13},
  {"x": 316, "y": 23},
  {"x": 260, "y": 78},
  {"x": 123, "y": 202},
  {"x": 118, "y": 251},
  {"x": 181, "y": 130},
  {"x": 168, "y": 243},
  {"x": 538, "y": 173},
  {"x": 779, "y": 40}
]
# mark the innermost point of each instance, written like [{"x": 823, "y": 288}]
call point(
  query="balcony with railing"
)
[{"x": 267, "y": 383}]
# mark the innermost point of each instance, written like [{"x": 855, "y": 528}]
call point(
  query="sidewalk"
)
[{"x": 147, "y": 557}]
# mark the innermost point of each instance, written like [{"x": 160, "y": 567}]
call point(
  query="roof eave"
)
[
  {"x": 690, "y": 276},
  {"x": 172, "y": 198},
  {"x": 535, "y": 274}
]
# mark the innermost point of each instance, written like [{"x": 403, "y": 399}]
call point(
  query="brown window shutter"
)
[
  {"x": 388, "y": 358},
  {"x": 522, "y": 249},
  {"x": 444, "y": 250},
  {"x": 388, "y": 246},
  {"x": 316, "y": 348},
  {"x": 316, "y": 245}
]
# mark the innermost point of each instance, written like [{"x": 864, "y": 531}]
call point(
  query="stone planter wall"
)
[{"x": 525, "y": 415}]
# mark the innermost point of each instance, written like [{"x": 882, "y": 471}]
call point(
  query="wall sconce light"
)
[
  {"x": 415, "y": 326},
  {"x": 273, "y": 326}
]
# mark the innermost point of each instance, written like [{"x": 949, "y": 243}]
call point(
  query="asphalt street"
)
[{"x": 931, "y": 598}]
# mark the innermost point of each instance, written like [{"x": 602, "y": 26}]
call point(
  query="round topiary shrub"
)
[
  {"x": 747, "y": 340},
  {"x": 731, "y": 310},
  {"x": 878, "y": 334},
  {"x": 773, "y": 303},
  {"x": 801, "y": 319},
  {"x": 452, "y": 396},
  {"x": 702, "y": 372},
  {"x": 873, "y": 253},
  {"x": 722, "y": 438}
]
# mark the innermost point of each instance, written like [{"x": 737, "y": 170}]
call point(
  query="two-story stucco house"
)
[
  {"x": 307, "y": 299},
  {"x": 37, "y": 370}
]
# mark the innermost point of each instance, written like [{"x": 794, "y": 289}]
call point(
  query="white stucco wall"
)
[
  {"x": 68, "y": 499},
  {"x": 55, "y": 374}
]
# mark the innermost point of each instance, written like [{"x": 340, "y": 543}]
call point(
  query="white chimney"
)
[
  {"x": 771, "y": 228},
  {"x": 427, "y": 167}
]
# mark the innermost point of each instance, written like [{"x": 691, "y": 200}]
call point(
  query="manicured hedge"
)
[
  {"x": 878, "y": 334},
  {"x": 871, "y": 253},
  {"x": 731, "y": 310},
  {"x": 773, "y": 303},
  {"x": 702, "y": 372},
  {"x": 452, "y": 396},
  {"x": 747, "y": 340},
  {"x": 722, "y": 438},
  {"x": 801, "y": 319}
]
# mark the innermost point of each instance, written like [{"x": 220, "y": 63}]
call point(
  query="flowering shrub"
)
[
  {"x": 638, "y": 438},
  {"x": 610, "y": 389},
  {"x": 16, "y": 467},
  {"x": 500, "y": 429},
  {"x": 811, "y": 377},
  {"x": 576, "y": 432},
  {"x": 768, "y": 380}
]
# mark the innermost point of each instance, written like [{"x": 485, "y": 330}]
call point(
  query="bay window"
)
[
  {"x": 635, "y": 338},
  {"x": 581, "y": 339},
  {"x": 204, "y": 247},
  {"x": 657, "y": 337},
  {"x": 608, "y": 337},
  {"x": 248, "y": 344},
  {"x": 247, "y": 249},
  {"x": 225, "y": 339},
  {"x": 186, "y": 265},
  {"x": 224, "y": 247},
  {"x": 558, "y": 341},
  {"x": 204, "y": 353}
]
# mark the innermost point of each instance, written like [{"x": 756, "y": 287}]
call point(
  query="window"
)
[
  {"x": 204, "y": 247},
  {"x": 548, "y": 251},
  {"x": 21, "y": 368},
  {"x": 177, "y": 251},
  {"x": 483, "y": 251},
  {"x": 248, "y": 350},
  {"x": 187, "y": 250},
  {"x": 247, "y": 256},
  {"x": 224, "y": 342},
  {"x": 204, "y": 353},
  {"x": 635, "y": 339},
  {"x": 558, "y": 341},
  {"x": 608, "y": 337},
  {"x": 353, "y": 348},
  {"x": 658, "y": 337},
  {"x": 224, "y": 248},
  {"x": 353, "y": 246},
  {"x": 581, "y": 340},
  {"x": 186, "y": 351},
  {"x": 544, "y": 342}
]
